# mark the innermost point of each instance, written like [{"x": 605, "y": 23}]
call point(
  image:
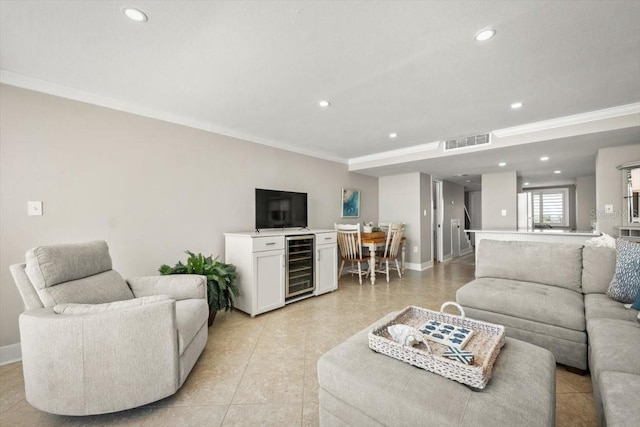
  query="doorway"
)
[
  {"x": 438, "y": 217},
  {"x": 455, "y": 238}
]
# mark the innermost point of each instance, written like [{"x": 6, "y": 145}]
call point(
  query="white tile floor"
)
[{"x": 262, "y": 371}]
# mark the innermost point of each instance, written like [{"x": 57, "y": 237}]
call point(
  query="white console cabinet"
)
[
  {"x": 326, "y": 263},
  {"x": 260, "y": 259}
]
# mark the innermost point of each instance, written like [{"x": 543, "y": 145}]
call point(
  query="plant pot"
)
[{"x": 212, "y": 316}]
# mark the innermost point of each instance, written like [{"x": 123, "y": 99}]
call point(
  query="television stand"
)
[{"x": 260, "y": 260}]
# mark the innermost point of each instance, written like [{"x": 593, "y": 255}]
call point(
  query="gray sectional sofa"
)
[{"x": 553, "y": 295}]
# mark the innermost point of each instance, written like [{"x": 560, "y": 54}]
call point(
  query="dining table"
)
[{"x": 375, "y": 240}]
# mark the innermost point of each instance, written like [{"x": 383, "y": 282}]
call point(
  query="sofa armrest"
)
[
  {"x": 105, "y": 362},
  {"x": 177, "y": 286}
]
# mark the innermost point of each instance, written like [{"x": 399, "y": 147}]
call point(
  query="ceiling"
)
[{"x": 257, "y": 70}]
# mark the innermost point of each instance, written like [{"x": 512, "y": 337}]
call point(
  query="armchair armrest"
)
[
  {"x": 105, "y": 362},
  {"x": 177, "y": 286}
]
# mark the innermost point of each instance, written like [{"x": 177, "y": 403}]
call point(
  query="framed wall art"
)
[{"x": 350, "y": 203}]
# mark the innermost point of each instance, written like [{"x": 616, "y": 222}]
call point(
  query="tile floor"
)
[{"x": 262, "y": 371}]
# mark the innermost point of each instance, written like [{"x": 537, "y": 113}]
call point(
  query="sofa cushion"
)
[
  {"x": 50, "y": 265},
  {"x": 540, "y": 262},
  {"x": 178, "y": 286},
  {"x": 613, "y": 346},
  {"x": 97, "y": 289},
  {"x": 625, "y": 285},
  {"x": 620, "y": 393},
  {"x": 191, "y": 314},
  {"x": 71, "y": 308},
  {"x": 598, "y": 268},
  {"x": 532, "y": 301},
  {"x": 600, "y": 306}
]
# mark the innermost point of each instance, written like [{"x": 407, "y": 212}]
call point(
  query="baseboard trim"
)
[
  {"x": 10, "y": 354},
  {"x": 418, "y": 267},
  {"x": 466, "y": 251},
  {"x": 447, "y": 257}
]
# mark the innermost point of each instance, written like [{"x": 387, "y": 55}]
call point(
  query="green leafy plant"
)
[{"x": 221, "y": 278}]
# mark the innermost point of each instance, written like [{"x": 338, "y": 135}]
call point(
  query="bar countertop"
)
[{"x": 544, "y": 231}]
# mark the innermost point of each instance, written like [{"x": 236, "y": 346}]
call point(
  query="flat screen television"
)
[{"x": 280, "y": 209}]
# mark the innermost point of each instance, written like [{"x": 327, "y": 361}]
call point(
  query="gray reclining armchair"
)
[{"x": 94, "y": 343}]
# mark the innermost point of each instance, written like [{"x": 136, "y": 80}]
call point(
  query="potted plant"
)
[{"x": 221, "y": 278}]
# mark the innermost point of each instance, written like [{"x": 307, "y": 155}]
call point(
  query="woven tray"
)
[{"x": 485, "y": 344}]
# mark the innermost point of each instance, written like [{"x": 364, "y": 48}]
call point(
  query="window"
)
[{"x": 551, "y": 207}]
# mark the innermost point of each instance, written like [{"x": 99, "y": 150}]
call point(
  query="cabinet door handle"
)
[
  {"x": 327, "y": 238},
  {"x": 270, "y": 244}
]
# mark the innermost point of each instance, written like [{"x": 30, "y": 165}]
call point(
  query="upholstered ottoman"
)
[{"x": 360, "y": 387}]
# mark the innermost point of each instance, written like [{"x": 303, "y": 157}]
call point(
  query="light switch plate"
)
[
  {"x": 608, "y": 209},
  {"x": 34, "y": 208},
  {"x": 503, "y": 212}
]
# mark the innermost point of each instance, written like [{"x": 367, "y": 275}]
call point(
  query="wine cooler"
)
[{"x": 300, "y": 274}]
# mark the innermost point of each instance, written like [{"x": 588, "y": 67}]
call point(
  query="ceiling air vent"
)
[{"x": 469, "y": 141}]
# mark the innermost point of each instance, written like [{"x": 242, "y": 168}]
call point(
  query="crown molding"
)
[
  {"x": 30, "y": 83},
  {"x": 607, "y": 113},
  {"x": 395, "y": 153}
]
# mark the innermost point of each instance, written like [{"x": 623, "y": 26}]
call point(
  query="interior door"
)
[
  {"x": 455, "y": 238},
  {"x": 438, "y": 214}
]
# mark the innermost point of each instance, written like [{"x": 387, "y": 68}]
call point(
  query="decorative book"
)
[
  {"x": 458, "y": 355},
  {"x": 446, "y": 333}
]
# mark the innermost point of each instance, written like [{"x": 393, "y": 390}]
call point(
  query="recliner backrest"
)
[{"x": 73, "y": 273}]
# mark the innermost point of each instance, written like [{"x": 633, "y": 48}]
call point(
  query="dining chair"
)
[
  {"x": 391, "y": 250},
  {"x": 384, "y": 226},
  {"x": 350, "y": 244}
]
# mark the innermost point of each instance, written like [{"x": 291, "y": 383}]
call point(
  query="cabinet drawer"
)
[
  {"x": 268, "y": 243},
  {"x": 325, "y": 238}
]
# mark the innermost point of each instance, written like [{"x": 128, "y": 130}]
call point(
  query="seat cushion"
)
[
  {"x": 600, "y": 306},
  {"x": 620, "y": 393},
  {"x": 50, "y": 265},
  {"x": 71, "y": 308},
  {"x": 614, "y": 346},
  {"x": 540, "y": 262},
  {"x": 191, "y": 314},
  {"x": 531, "y": 301}
]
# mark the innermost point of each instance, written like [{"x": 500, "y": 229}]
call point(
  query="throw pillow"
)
[
  {"x": 636, "y": 305},
  {"x": 625, "y": 285},
  {"x": 72, "y": 308}
]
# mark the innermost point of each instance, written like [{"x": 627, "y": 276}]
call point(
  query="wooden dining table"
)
[{"x": 375, "y": 240}]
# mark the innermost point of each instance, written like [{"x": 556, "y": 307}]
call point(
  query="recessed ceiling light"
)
[
  {"x": 544, "y": 158},
  {"x": 134, "y": 14},
  {"x": 526, "y": 183},
  {"x": 485, "y": 35},
  {"x": 516, "y": 105},
  {"x": 324, "y": 104},
  {"x": 501, "y": 164},
  {"x": 468, "y": 180},
  {"x": 393, "y": 135},
  {"x": 557, "y": 171}
]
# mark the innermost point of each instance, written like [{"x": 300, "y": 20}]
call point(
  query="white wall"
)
[
  {"x": 151, "y": 189},
  {"x": 609, "y": 190},
  {"x": 585, "y": 201},
  {"x": 499, "y": 191},
  {"x": 404, "y": 198}
]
